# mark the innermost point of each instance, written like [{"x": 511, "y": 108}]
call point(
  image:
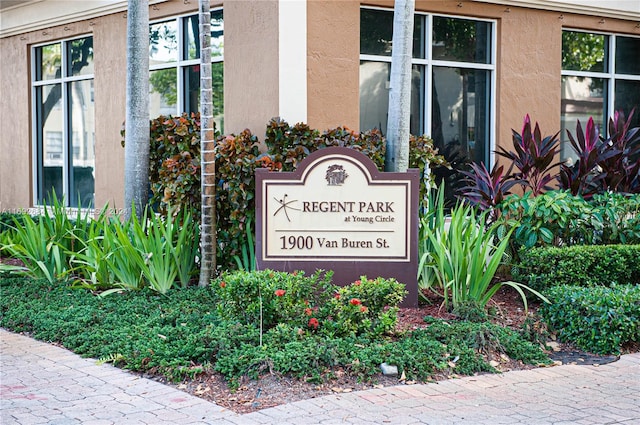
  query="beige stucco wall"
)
[
  {"x": 15, "y": 145},
  {"x": 333, "y": 49},
  {"x": 250, "y": 65},
  {"x": 110, "y": 65},
  {"x": 528, "y": 75}
]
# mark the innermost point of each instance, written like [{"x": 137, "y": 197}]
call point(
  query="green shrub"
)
[
  {"x": 586, "y": 265},
  {"x": 174, "y": 162},
  {"x": 597, "y": 319},
  {"x": 558, "y": 218},
  {"x": 620, "y": 216},
  {"x": 266, "y": 298},
  {"x": 364, "y": 307},
  {"x": 549, "y": 219},
  {"x": 236, "y": 162}
]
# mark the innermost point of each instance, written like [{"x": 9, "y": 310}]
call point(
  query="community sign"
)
[{"x": 338, "y": 212}]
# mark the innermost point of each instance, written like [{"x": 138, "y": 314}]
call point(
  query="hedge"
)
[
  {"x": 598, "y": 319},
  {"x": 580, "y": 265}
]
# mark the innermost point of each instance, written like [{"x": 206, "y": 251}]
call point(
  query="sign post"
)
[{"x": 338, "y": 212}]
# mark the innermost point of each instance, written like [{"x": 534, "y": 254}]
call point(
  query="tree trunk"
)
[
  {"x": 136, "y": 153},
  {"x": 397, "y": 154},
  {"x": 207, "y": 161}
]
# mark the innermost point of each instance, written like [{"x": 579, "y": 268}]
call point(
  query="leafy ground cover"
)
[{"x": 180, "y": 338}]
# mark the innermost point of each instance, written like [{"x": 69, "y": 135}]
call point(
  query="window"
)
[
  {"x": 174, "y": 61},
  {"x": 600, "y": 75},
  {"x": 62, "y": 84},
  {"x": 452, "y": 80}
]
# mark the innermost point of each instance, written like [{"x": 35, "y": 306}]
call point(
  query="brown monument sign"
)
[{"x": 338, "y": 212}]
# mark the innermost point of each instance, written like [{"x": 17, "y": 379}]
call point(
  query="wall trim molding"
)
[
  {"x": 624, "y": 9},
  {"x": 36, "y": 15}
]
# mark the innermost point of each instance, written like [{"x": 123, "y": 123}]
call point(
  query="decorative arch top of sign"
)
[{"x": 338, "y": 212}]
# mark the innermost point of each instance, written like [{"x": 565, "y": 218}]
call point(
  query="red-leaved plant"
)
[
  {"x": 486, "y": 189},
  {"x": 604, "y": 165},
  {"x": 534, "y": 158}
]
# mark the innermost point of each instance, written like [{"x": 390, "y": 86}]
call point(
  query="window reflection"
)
[
  {"x": 163, "y": 94},
  {"x": 461, "y": 40},
  {"x": 374, "y": 96},
  {"x": 628, "y": 55},
  {"x": 48, "y": 62},
  {"x": 627, "y": 97},
  {"x": 80, "y": 57},
  {"x": 81, "y": 123},
  {"x": 460, "y": 113},
  {"x": 50, "y": 142},
  {"x": 163, "y": 42}
]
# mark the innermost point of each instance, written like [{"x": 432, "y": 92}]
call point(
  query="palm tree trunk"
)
[
  {"x": 136, "y": 153},
  {"x": 207, "y": 155},
  {"x": 397, "y": 154}
]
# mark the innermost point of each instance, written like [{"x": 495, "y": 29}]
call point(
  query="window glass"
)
[
  {"x": 374, "y": 96},
  {"x": 217, "y": 34},
  {"x": 461, "y": 40},
  {"x": 80, "y": 56},
  {"x": 376, "y": 32},
  {"x": 460, "y": 126},
  {"x": 163, "y": 42},
  {"x": 217, "y": 73},
  {"x": 628, "y": 55},
  {"x": 627, "y": 97},
  {"x": 81, "y": 125},
  {"x": 50, "y": 142},
  {"x": 175, "y": 76},
  {"x": 64, "y": 127},
  {"x": 581, "y": 98},
  {"x": 192, "y": 36},
  {"x": 163, "y": 94},
  {"x": 48, "y": 62},
  {"x": 583, "y": 51},
  {"x": 419, "y": 26},
  {"x": 191, "y": 81},
  {"x": 612, "y": 84}
]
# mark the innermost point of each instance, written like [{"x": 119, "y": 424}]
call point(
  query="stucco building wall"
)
[{"x": 528, "y": 69}]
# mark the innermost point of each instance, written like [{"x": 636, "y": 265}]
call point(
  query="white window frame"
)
[
  {"x": 428, "y": 62},
  {"x": 64, "y": 81}
]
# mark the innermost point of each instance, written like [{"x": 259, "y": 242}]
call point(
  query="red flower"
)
[
  {"x": 313, "y": 323},
  {"x": 357, "y": 283},
  {"x": 363, "y": 309},
  {"x": 355, "y": 301},
  {"x": 337, "y": 296},
  {"x": 308, "y": 311},
  {"x": 280, "y": 292},
  {"x": 223, "y": 284}
]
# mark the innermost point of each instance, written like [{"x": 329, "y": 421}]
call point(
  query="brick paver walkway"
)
[{"x": 44, "y": 384}]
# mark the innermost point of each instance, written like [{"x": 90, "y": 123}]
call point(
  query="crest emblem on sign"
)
[{"x": 336, "y": 175}]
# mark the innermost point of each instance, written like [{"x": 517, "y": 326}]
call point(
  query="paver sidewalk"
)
[{"x": 44, "y": 384}]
